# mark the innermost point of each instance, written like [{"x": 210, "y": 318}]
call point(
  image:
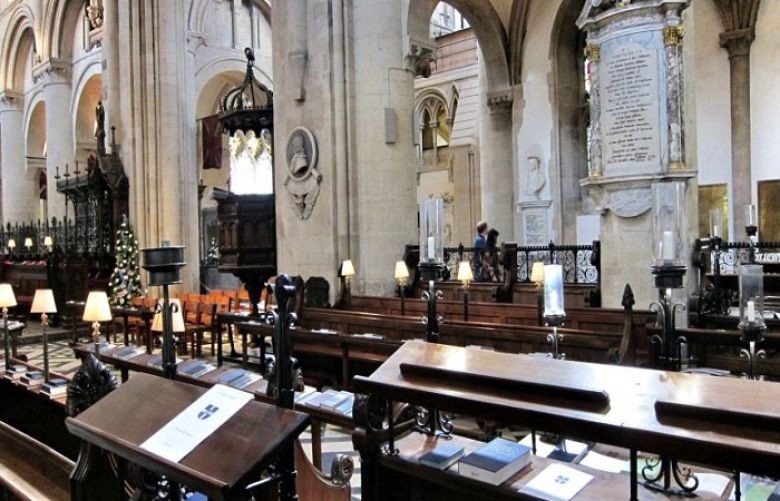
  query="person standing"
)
[{"x": 480, "y": 243}]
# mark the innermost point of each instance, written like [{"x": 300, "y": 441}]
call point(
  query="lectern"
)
[{"x": 221, "y": 467}]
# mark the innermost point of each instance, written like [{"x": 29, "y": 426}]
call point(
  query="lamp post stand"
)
[
  {"x": 7, "y": 339},
  {"x": 44, "y": 334}
]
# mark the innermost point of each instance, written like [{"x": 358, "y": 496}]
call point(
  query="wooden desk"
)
[
  {"x": 220, "y": 467},
  {"x": 228, "y": 319},
  {"x": 140, "y": 364},
  {"x": 702, "y": 427},
  {"x": 145, "y": 314}
]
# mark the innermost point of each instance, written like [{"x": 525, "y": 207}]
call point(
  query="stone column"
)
[
  {"x": 19, "y": 195},
  {"x": 111, "y": 62},
  {"x": 59, "y": 134},
  {"x": 737, "y": 43},
  {"x": 385, "y": 184},
  {"x": 497, "y": 175},
  {"x": 156, "y": 128}
]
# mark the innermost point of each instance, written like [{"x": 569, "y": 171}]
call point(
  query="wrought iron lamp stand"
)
[
  {"x": 752, "y": 336},
  {"x": 554, "y": 338},
  {"x": 7, "y": 339},
  {"x": 432, "y": 421},
  {"x": 668, "y": 277}
]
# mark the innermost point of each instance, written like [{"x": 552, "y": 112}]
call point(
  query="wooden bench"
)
[
  {"x": 29, "y": 470},
  {"x": 608, "y": 320}
]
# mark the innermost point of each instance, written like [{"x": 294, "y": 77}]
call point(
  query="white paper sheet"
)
[
  {"x": 195, "y": 423},
  {"x": 605, "y": 463},
  {"x": 557, "y": 482}
]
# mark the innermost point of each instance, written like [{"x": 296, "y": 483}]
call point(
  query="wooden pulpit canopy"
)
[
  {"x": 221, "y": 466},
  {"x": 724, "y": 422}
]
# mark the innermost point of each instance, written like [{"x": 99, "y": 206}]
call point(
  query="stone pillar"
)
[
  {"x": 497, "y": 175},
  {"x": 156, "y": 130},
  {"x": 19, "y": 195},
  {"x": 59, "y": 134},
  {"x": 385, "y": 185},
  {"x": 111, "y": 63},
  {"x": 737, "y": 43}
]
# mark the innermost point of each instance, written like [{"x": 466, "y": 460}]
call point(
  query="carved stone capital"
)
[
  {"x": 738, "y": 42},
  {"x": 500, "y": 102},
  {"x": 11, "y": 100},
  {"x": 593, "y": 52},
  {"x": 673, "y": 36},
  {"x": 419, "y": 57},
  {"x": 52, "y": 71}
]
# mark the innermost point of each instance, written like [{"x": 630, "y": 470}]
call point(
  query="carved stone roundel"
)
[{"x": 301, "y": 154}]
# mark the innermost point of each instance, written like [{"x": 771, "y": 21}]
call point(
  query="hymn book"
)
[
  {"x": 442, "y": 456},
  {"x": 495, "y": 461}
]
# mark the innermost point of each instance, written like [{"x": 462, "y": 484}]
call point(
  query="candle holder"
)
[
  {"x": 554, "y": 312},
  {"x": 751, "y": 229},
  {"x": 164, "y": 265},
  {"x": 751, "y": 314},
  {"x": 668, "y": 267}
]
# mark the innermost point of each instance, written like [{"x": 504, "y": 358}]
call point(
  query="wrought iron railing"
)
[
  {"x": 734, "y": 253},
  {"x": 65, "y": 235},
  {"x": 579, "y": 264}
]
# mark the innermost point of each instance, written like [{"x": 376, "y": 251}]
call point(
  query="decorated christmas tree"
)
[{"x": 125, "y": 282}]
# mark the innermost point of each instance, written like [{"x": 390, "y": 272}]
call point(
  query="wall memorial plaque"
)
[{"x": 630, "y": 111}]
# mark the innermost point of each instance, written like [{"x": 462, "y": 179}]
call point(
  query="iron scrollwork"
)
[{"x": 91, "y": 382}]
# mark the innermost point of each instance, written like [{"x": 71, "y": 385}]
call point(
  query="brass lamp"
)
[
  {"x": 43, "y": 303},
  {"x": 465, "y": 275},
  {"x": 401, "y": 276},
  {"x": 7, "y": 300},
  {"x": 48, "y": 242},
  {"x": 29, "y": 244},
  {"x": 347, "y": 272},
  {"x": 97, "y": 310},
  {"x": 537, "y": 277},
  {"x": 11, "y": 245}
]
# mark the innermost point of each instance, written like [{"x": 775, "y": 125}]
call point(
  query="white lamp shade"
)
[
  {"x": 537, "y": 272},
  {"x": 401, "y": 271},
  {"x": 464, "y": 272},
  {"x": 7, "y": 296},
  {"x": 178, "y": 318},
  {"x": 28, "y": 242},
  {"x": 347, "y": 270},
  {"x": 47, "y": 241},
  {"x": 11, "y": 243},
  {"x": 97, "y": 308},
  {"x": 43, "y": 302}
]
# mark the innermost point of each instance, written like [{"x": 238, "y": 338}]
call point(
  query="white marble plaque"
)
[
  {"x": 630, "y": 111},
  {"x": 535, "y": 226}
]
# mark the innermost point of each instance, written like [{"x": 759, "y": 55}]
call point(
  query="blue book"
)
[
  {"x": 228, "y": 376},
  {"x": 442, "y": 456},
  {"x": 495, "y": 462}
]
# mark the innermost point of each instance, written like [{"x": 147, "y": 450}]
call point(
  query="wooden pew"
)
[
  {"x": 608, "y": 320},
  {"x": 30, "y": 470},
  {"x": 719, "y": 348},
  {"x": 319, "y": 351}
]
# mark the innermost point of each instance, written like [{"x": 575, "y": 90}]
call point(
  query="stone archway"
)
[
  {"x": 497, "y": 175},
  {"x": 570, "y": 116}
]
